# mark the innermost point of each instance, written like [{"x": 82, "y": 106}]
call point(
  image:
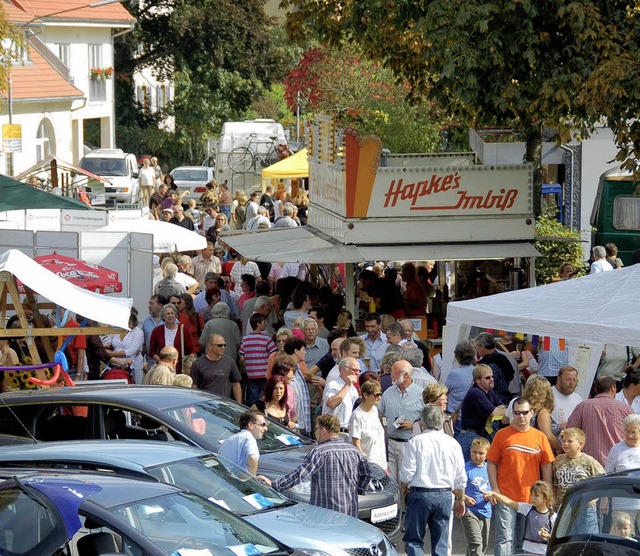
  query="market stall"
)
[{"x": 586, "y": 312}]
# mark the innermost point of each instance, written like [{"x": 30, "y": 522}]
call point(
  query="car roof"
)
[
  {"x": 629, "y": 478},
  {"x": 133, "y": 455},
  {"x": 191, "y": 168},
  {"x": 131, "y": 395},
  {"x": 116, "y": 490}
]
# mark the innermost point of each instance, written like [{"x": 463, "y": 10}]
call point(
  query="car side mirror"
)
[{"x": 135, "y": 175}]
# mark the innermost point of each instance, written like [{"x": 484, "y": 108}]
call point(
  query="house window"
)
[
  {"x": 145, "y": 97},
  {"x": 97, "y": 87},
  {"x": 626, "y": 212},
  {"x": 139, "y": 95},
  {"x": 64, "y": 53},
  {"x": 45, "y": 140}
]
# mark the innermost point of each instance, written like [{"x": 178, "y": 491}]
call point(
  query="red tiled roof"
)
[
  {"x": 77, "y": 9},
  {"x": 39, "y": 80}
]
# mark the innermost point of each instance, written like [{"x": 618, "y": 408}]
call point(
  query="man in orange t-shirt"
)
[{"x": 519, "y": 456}]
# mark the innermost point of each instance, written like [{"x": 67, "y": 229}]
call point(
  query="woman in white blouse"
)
[{"x": 126, "y": 348}]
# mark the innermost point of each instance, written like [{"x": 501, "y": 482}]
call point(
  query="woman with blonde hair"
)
[
  {"x": 239, "y": 214},
  {"x": 538, "y": 391},
  {"x": 438, "y": 394}
]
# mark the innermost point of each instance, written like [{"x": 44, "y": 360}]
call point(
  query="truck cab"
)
[
  {"x": 616, "y": 213},
  {"x": 119, "y": 169}
]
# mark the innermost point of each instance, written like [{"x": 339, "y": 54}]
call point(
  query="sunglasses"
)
[
  {"x": 378, "y": 394},
  {"x": 220, "y": 345},
  {"x": 521, "y": 412},
  {"x": 261, "y": 424}
]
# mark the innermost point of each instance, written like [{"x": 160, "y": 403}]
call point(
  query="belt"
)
[
  {"x": 423, "y": 489},
  {"x": 399, "y": 439},
  {"x": 477, "y": 431},
  {"x": 344, "y": 429}
]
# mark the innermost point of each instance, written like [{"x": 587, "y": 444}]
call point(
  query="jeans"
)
[
  {"x": 255, "y": 388},
  {"x": 432, "y": 509},
  {"x": 509, "y": 530},
  {"x": 586, "y": 523},
  {"x": 476, "y": 530}
]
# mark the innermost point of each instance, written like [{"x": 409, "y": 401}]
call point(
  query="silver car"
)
[
  {"x": 193, "y": 178},
  {"x": 313, "y": 530}
]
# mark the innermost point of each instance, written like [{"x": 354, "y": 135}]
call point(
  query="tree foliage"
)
[
  {"x": 557, "y": 245},
  {"x": 7, "y": 31},
  {"x": 218, "y": 53},
  {"x": 363, "y": 95},
  {"x": 558, "y": 63}
]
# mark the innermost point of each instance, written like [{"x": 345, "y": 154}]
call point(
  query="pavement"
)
[{"x": 459, "y": 541}]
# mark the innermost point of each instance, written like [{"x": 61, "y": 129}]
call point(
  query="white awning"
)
[{"x": 308, "y": 245}]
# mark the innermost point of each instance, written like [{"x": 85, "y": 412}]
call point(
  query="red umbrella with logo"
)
[{"x": 85, "y": 275}]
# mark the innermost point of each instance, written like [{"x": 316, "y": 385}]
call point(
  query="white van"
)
[
  {"x": 120, "y": 169},
  {"x": 244, "y": 149}
]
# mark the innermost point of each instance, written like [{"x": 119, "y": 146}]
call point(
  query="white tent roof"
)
[
  {"x": 591, "y": 311},
  {"x": 167, "y": 237},
  {"x": 601, "y": 308},
  {"x": 113, "y": 311}
]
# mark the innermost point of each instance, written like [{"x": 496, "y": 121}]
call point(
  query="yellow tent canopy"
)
[{"x": 294, "y": 166}]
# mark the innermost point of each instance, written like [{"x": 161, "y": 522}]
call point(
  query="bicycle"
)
[{"x": 244, "y": 158}]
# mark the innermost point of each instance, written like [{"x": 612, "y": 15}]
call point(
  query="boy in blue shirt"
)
[{"x": 477, "y": 518}]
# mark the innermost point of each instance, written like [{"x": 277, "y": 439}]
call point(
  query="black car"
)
[
  {"x": 168, "y": 413},
  {"x": 82, "y": 514},
  {"x": 587, "y": 517}
]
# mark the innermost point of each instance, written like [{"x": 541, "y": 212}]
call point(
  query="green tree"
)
[
  {"x": 219, "y": 55},
  {"x": 7, "y": 31},
  {"x": 557, "y": 245},
  {"x": 363, "y": 95},
  {"x": 559, "y": 63}
]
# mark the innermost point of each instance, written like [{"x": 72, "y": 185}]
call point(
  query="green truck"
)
[{"x": 616, "y": 213}]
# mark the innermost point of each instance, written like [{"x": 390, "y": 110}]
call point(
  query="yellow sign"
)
[{"x": 12, "y": 138}]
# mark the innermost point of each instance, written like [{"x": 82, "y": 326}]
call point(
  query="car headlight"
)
[{"x": 301, "y": 491}]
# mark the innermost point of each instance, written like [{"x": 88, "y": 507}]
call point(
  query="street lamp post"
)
[{"x": 7, "y": 48}]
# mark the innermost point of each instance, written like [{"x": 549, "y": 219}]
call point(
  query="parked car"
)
[
  {"x": 118, "y": 168},
  {"x": 168, "y": 413},
  {"x": 193, "y": 178},
  {"x": 584, "y": 523},
  {"x": 80, "y": 514},
  {"x": 311, "y": 529}
]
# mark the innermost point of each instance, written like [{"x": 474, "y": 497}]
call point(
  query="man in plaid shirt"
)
[{"x": 337, "y": 469}]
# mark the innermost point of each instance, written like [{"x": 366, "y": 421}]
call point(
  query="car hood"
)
[{"x": 306, "y": 526}]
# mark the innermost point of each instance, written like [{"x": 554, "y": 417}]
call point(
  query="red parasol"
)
[{"x": 85, "y": 275}]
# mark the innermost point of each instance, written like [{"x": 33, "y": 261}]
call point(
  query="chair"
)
[
  {"x": 95, "y": 544},
  {"x": 115, "y": 424}
]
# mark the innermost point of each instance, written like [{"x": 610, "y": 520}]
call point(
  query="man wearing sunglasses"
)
[
  {"x": 242, "y": 448},
  {"x": 340, "y": 395},
  {"x": 215, "y": 372},
  {"x": 519, "y": 456}
]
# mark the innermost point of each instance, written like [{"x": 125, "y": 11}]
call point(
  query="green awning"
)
[{"x": 19, "y": 196}]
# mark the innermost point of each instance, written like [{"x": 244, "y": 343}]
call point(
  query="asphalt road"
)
[{"x": 459, "y": 541}]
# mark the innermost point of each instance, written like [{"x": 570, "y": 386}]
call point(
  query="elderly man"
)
[
  {"x": 565, "y": 397},
  {"x": 519, "y": 456},
  {"x": 337, "y": 469},
  {"x": 260, "y": 220},
  {"x": 204, "y": 263},
  {"x": 401, "y": 406},
  {"x": 602, "y": 419},
  {"x": 480, "y": 403},
  {"x": 316, "y": 346},
  {"x": 395, "y": 334},
  {"x": 183, "y": 277},
  {"x": 340, "y": 395},
  {"x": 164, "y": 371},
  {"x": 242, "y": 448},
  {"x": 286, "y": 220},
  {"x": 374, "y": 340},
  {"x": 600, "y": 263},
  {"x": 411, "y": 336},
  {"x": 349, "y": 347},
  {"x": 169, "y": 286},
  {"x": 432, "y": 468},
  {"x": 180, "y": 219},
  {"x": 215, "y": 372},
  {"x": 505, "y": 367},
  {"x": 220, "y": 323},
  {"x": 420, "y": 375}
]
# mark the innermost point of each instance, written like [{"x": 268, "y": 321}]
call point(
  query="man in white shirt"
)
[
  {"x": 205, "y": 262},
  {"x": 432, "y": 468},
  {"x": 242, "y": 447},
  {"x": 600, "y": 263},
  {"x": 182, "y": 277},
  {"x": 348, "y": 348},
  {"x": 340, "y": 395},
  {"x": 564, "y": 396}
]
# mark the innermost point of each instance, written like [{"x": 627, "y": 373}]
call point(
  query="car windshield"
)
[
  {"x": 190, "y": 175},
  {"x": 104, "y": 166},
  {"x": 181, "y": 521},
  {"x": 216, "y": 420},
  {"x": 604, "y": 513},
  {"x": 222, "y": 482}
]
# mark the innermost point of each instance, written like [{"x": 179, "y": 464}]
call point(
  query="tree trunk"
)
[{"x": 533, "y": 154}]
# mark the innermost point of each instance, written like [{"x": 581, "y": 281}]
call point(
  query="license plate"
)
[{"x": 382, "y": 514}]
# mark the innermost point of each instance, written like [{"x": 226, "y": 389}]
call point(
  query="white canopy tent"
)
[
  {"x": 587, "y": 312},
  {"x": 167, "y": 237},
  {"x": 113, "y": 311}
]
